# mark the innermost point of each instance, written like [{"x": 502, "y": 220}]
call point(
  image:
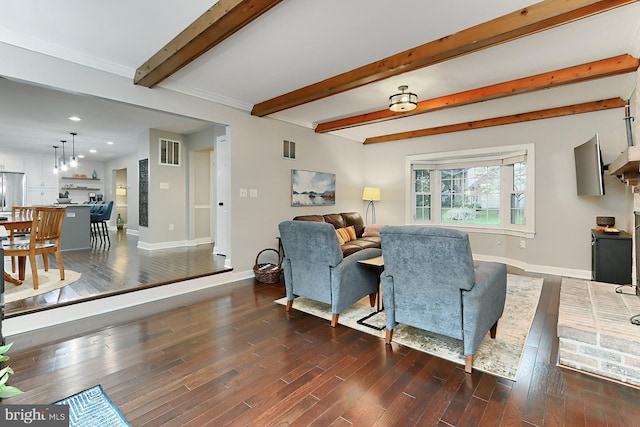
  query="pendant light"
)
[
  {"x": 63, "y": 166},
  {"x": 55, "y": 159},
  {"x": 73, "y": 161},
  {"x": 403, "y": 101}
]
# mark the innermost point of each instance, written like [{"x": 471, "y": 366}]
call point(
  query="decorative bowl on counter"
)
[{"x": 64, "y": 200}]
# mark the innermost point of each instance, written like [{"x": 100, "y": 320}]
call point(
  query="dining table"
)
[{"x": 10, "y": 222}]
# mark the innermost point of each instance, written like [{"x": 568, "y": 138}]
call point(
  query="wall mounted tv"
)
[{"x": 589, "y": 168}]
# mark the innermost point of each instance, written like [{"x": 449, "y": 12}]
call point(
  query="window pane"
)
[
  {"x": 517, "y": 208},
  {"x": 423, "y": 207},
  {"x": 471, "y": 195},
  {"x": 422, "y": 184},
  {"x": 520, "y": 176}
]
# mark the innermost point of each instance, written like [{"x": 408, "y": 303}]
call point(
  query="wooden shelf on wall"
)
[
  {"x": 84, "y": 179},
  {"x": 626, "y": 165},
  {"x": 80, "y": 188}
]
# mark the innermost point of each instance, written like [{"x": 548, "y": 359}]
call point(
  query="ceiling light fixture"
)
[
  {"x": 74, "y": 118},
  {"x": 73, "y": 161},
  {"x": 55, "y": 159},
  {"x": 403, "y": 101},
  {"x": 63, "y": 166}
]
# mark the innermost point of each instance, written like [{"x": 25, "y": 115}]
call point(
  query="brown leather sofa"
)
[{"x": 346, "y": 219}]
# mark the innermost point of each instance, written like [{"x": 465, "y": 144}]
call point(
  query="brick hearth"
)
[{"x": 595, "y": 333}]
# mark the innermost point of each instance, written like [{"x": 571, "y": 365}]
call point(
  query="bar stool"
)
[{"x": 99, "y": 217}]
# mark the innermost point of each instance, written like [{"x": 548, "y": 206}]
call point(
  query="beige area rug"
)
[
  {"x": 47, "y": 281},
  {"x": 500, "y": 356}
]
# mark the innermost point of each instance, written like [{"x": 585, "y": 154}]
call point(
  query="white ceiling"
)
[{"x": 296, "y": 43}]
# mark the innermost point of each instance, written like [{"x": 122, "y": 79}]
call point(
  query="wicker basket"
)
[{"x": 267, "y": 272}]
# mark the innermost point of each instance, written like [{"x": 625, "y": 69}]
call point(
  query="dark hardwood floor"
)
[
  {"x": 121, "y": 267},
  {"x": 234, "y": 357}
]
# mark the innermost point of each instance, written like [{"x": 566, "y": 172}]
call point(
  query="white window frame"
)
[
  {"x": 170, "y": 160},
  {"x": 452, "y": 159}
]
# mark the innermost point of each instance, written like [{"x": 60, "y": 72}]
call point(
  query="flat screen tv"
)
[{"x": 589, "y": 168}]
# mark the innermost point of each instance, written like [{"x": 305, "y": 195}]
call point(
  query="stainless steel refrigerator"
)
[{"x": 13, "y": 190}]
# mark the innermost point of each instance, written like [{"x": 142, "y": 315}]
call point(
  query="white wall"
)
[
  {"x": 562, "y": 242},
  {"x": 256, "y": 147}
]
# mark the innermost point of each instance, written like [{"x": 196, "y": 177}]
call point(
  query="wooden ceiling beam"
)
[
  {"x": 593, "y": 70},
  {"x": 535, "y": 18},
  {"x": 586, "y": 107},
  {"x": 219, "y": 22}
]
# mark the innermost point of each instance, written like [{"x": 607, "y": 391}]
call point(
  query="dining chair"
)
[
  {"x": 20, "y": 212},
  {"x": 46, "y": 228}
]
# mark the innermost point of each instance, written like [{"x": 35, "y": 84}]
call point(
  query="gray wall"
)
[{"x": 563, "y": 220}]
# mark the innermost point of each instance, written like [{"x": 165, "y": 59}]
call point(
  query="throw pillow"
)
[
  {"x": 347, "y": 233},
  {"x": 372, "y": 230},
  {"x": 340, "y": 239}
]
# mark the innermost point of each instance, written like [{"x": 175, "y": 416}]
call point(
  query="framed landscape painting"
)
[{"x": 312, "y": 188}]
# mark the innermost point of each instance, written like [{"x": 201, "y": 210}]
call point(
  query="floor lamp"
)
[{"x": 372, "y": 194}]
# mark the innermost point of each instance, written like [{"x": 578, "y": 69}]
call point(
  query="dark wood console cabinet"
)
[{"x": 611, "y": 257}]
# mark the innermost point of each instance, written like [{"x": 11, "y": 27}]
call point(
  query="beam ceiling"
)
[
  {"x": 219, "y": 22},
  {"x": 538, "y": 17},
  {"x": 593, "y": 70},
  {"x": 586, "y": 107}
]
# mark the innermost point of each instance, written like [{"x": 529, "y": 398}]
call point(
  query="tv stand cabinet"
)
[{"x": 611, "y": 257}]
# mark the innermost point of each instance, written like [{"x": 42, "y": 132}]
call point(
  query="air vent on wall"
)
[{"x": 169, "y": 152}]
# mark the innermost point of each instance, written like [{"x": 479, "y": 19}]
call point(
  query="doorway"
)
[{"x": 121, "y": 199}]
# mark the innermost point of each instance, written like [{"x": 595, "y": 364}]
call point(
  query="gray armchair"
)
[
  {"x": 315, "y": 268},
  {"x": 429, "y": 282}
]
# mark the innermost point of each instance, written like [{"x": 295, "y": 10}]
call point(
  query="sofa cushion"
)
[
  {"x": 347, "y": 233},
  {"x": 315, "y": 218},
  {"x": 335, "y": 219},
  {"x": 374, "y": 240},
  {"x": 365, "y": 243},
  {"x": 349, "y": 248},
  {"x": 355, "y": 219},
  {"x": 343, "y": 220},
  {"x": 372, "y": 230},
  {"x": 340, "y": 238}
]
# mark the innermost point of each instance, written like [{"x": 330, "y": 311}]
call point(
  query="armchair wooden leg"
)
[
  {"x": 334, "y": 320},
  {"x": 289, "y": 304},
  {"x": 388, "y": 336},
  {"x": 493, "y": 330},
  {"x": 372, "y": 299},
  {"x": 468, "y": 363}
]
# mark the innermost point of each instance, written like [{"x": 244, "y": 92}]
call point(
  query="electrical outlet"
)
[
  {"x": 171, "y": 227},
  {"x": 523, "y": 243},
  {"x": 243, "y": 192},
  {"x": 253, "y": 192}
]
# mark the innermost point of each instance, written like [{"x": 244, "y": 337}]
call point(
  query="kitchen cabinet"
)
[
  {"x": 42, "y": 183},
  {"x": 41, "y": 196},
  {"x": 39, "y": 172}
]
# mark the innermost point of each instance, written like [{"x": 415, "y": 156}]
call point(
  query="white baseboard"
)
[{"x": 541, "y": 269}]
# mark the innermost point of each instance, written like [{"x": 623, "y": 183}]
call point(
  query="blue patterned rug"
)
[{"x": 92, "y": 407}]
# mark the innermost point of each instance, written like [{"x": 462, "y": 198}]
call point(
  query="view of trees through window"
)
[
  {"x": 423, "y": 194},
  {"x": 470, "y": 195},
  {"x": 517, "y": 194},
  {"x": 484, "y": 188}
]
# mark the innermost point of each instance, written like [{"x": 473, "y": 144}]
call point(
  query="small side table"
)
[{"x": 376, "y": 262}]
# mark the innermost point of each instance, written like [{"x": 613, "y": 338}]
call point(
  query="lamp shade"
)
[
  {"x": 371, "y": 194},
  {"x": 403, "y": 101}
]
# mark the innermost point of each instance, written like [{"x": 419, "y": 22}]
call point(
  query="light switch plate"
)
[{"x": 253, "y": 192}]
